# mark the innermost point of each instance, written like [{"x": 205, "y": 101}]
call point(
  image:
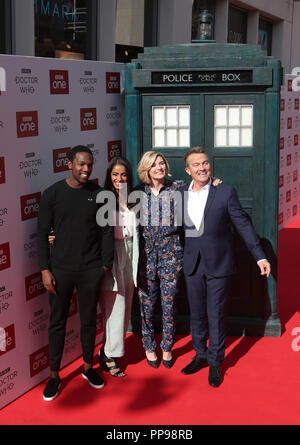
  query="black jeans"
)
[{"x": 87, "y": 284}]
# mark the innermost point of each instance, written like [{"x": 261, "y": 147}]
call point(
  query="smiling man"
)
[
  {"x": 77, "y": 260},
  {"x": 208, "y": 261}
]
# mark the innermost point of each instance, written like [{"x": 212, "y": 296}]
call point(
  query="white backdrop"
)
[
  {"x": 49, "y": 106},
  {"x": 289, "y": 172}
]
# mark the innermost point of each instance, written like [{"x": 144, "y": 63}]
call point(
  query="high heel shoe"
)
[
  {"x": 103, "y": 360},
  {"x": 153, "y": 363},
  {"x": 168, "y": 363}
]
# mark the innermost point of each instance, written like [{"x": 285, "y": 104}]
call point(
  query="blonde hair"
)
[{"x": 147, "y": 162}]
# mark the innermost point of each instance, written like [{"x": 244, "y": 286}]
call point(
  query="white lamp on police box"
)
[{"x": 205, "y": 26}]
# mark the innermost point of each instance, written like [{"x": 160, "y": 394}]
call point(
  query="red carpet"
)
[{"x": 261, "y": 381}]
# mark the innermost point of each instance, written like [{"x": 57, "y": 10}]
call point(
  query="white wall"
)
[
  {"x": 174, "y": 22},
  {"x": 295, "y": 50},
  {"x": 106, "y": 30},
  {"x": 23, "y": 27}
]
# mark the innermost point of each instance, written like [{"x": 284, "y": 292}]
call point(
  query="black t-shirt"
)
[{"x": 80, "y": 243}]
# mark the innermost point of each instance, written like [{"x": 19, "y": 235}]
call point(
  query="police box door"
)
[
  {"x": 234, "y": 141},
  {"x": 231, "y": 129}
]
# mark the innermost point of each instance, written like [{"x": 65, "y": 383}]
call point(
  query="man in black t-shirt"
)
[{"x": 81, "y": 254}]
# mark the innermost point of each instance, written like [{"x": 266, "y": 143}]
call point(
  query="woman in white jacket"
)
[{"x": 118, "y": 286}]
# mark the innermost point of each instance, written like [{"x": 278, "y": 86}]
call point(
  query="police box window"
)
[
  {"x": 65, "y": 28},
  {"x": 237, "y": 25}
]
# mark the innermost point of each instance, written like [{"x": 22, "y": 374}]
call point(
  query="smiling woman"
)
[{"x": 161, "y": 255}]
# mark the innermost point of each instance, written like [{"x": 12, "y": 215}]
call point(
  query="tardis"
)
[{"x": 226, "y": 99}]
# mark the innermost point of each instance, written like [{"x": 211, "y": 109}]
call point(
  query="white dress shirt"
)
[{"x": 196, "y": 203}]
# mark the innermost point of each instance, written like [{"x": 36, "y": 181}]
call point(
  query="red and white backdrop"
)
[
  {"x": 49, "y": 106},
  {"x": 289, "y": 170}
]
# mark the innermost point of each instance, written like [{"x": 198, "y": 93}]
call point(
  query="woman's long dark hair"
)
[{"x": 108, "y": 185}]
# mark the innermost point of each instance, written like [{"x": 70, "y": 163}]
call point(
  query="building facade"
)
[{"x": 117, "y": 30}]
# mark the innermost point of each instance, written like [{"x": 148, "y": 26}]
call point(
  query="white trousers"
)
[{"x": 116, "y": 305}]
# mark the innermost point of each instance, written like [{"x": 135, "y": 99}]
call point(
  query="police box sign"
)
[{"x": 198, "y": 77}]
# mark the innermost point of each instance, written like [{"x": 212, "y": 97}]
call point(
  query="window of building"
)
[
  {"x": 5, "y": 27},
  {"x": 136, "y": 27},
  {"x": 2, "y": 29},
  {"x": 265, "y": 29},
  {"x": 65, "y": 28},
  {"x": 237, "y": 25},
  {"x": 233, "y": 125},
  {"x": 171, "y": 126}
]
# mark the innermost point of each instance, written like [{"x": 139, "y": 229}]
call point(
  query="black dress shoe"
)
[
  {"x": 214, "y": 376},
  {"x": 195, "y": 365}
]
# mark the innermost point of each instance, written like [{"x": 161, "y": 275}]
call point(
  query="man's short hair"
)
[
  {"x": 198, "y": 150},
  {"x": 79, "y": 149}
]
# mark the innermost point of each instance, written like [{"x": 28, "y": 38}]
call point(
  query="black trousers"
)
[
  {"x": 207, "y": 300},
  {"x": 87, "y": 284}
]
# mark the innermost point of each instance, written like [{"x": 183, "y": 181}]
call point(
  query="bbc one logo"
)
[
  {"x": 27, "y": 124},
  {"x": 30, "y": 205},
  {"x": 60, "y": 159},
  {"x": 2, "y": 79},
  {"x": 59, "y": 81},
  {"x": 113, "y": 84},
  {"x": 2, "y": 170},
  {"x": 88, "y": 119},
  {"x": 281, "y": 181},
  {"x": 34, "y": 286},
  {"x": 39, "y": 360},
  {"x": 294, "y": 210},
  {"x": 7, "y": 339},
  {"x": 4, "y": 256},
  {"x": 114, "y": 149}
]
